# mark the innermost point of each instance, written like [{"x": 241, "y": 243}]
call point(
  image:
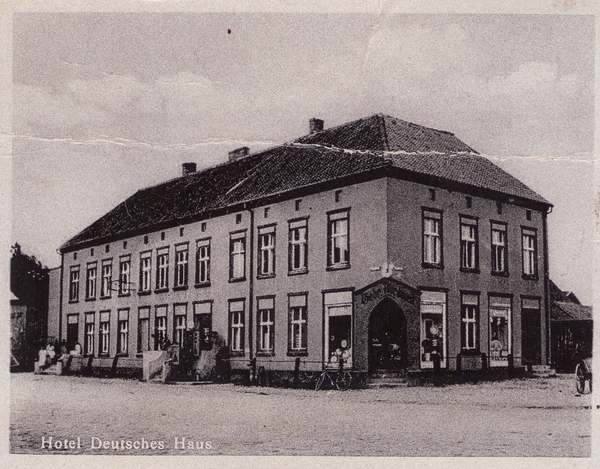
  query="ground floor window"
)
[
  {"x": 470, "y": 323},
  {"x": 160, "y": 327},
  {"x": 298, "y": 324},
  {"x": 236, "y": 326},
  {"x": 123, "y": 332},
  {"x": 338, "y": 328},
  {"x": 500, "y": 330},
  {"x": 143, "y": 338},
  {"x": 433, "y": 328},
  {"x": 179, "y": 314},
  {"x": 266, "y": 325},
  {"x": 104, "y": 334},
  {"x": 88, "y": 346}
]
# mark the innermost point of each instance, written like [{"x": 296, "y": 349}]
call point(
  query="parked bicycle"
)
[{"x": 340, "y": 379}]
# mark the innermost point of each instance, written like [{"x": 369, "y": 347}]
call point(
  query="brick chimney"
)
[
  {"x": 188, "y": 168},
  {"x": 315, "y": 125},
  {"x": 238, "y": 153}
]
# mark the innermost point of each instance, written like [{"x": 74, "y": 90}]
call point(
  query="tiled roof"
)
[
  {"x": 385, "y": 133},
  {"x": 304, "y": 163},
  {"x": 566, "y": 311}
]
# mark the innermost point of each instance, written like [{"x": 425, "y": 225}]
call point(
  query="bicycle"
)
[{"x": 341, "y": 381}]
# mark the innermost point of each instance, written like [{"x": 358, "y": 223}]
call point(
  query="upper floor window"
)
[
  {"x": 529, "y": 237},
  {"x": 90, "y": 285},
  {"x": 181, "y": 265},
  {"x": 499, "y": 249},
  {"x": 145, "y": 271},
  {"x": 266, "y": 251},
  {"x": 203, "y": 261},
  {"x": 470, "y": 322},
  {"x": 106, "y": 287},
  {"x": 298, "y": 248},
  {"x": 162, "y": 269},
  {"x": 468, "y": 243},
  {"x": 237, "y": 256},
  {"x": 338, "y": 255},
  {"x": 74, "y": 283},
  {"x": 124, "y": 275},
  {"x": 432, "y": 238}
]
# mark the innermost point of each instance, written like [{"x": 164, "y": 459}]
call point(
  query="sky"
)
[{"x": 106, "y": 104}]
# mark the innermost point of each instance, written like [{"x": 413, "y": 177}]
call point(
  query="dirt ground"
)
[{"x": 525, "y": 417}]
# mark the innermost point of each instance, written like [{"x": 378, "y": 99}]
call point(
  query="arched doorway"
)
[{"x": 387, "y": 337}]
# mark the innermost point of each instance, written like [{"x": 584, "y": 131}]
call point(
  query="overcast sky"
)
[{"x": 106, "y": 104}]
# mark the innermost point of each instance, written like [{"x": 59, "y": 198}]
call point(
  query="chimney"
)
[
  {"x": 315, "y": 125},
  {"x": 238, "y": 153},
  {"x": 188, "y": 168}
]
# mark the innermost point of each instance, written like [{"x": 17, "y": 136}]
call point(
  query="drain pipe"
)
[{"x": 251, "y": 287}]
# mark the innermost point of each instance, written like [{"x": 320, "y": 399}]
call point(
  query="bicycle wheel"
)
[
  {"x": 343, "y": 380},
  {"x": 580, "y": 378},
  {"x": 320, "y": 381}
]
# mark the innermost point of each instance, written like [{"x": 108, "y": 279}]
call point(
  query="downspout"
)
[
  {"x": 60, "y": 297},
  {"x": 251, "y": 286},
  {"x": 546, "y": 284}
]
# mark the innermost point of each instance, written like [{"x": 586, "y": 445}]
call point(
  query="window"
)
[
  {"x": 90, "y": 286},
  {"x": 238, "y": 218},
  {"x": 143, "y": 336},
  {"x": 104, "y": 333},
  {"x": 298, "y": 324},
  {"x": 266, "y": 251},
  {"x": 106, "y": 287},
  {"x": 470, "y": 322},
  {"x": 202, "y": 326},
  {"x": 433, "y": 328},
  {"x": 431, "y": 194},
  {"x": 124, "y": 275},
  {"x": 432, "y": 238},
  {"x": 338, "y": 195},
  {"x": 468, "y": 244},
  {"x": 529, "y": 237},
  {"x": 203, "y": 261},
  {"x": 88, "y": 344},
  {"x": 160, "y": 327},
  {"x": 236, "y": 327},
  {"x": 469, "y": 201},
  {"x": 107, "y": 248},
  {"x": 123, "y": 331},
  {"x": 298, "y": 249},
  {"x": 297, "y": 204},
  {"x": 528, "y": 215},
  {"x": 179, "y": 316},
  {"x": 181, "y": 266},
  {"x": 499, "y": 249},
  {"x": 145, "y": 271},
  {"x": 74, "y": 283},
  {"x": 265, "y": 323},
  {"x": 237, "y": 262},
  {"x": 338, "y": 328},
  {"x": 162, "y": 269},
  {"x": 338, "y": 255},
  {"x": 500, "y": 330}
]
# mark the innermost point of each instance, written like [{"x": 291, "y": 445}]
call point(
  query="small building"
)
[
  {"x": 381, "y": 242},
  {"x": 572, "y": 328}
]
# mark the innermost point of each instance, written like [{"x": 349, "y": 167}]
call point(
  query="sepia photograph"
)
[{"x": 299, "y": 231}]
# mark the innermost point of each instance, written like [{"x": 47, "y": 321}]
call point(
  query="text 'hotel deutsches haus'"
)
[{"x": 386, "y": 243}]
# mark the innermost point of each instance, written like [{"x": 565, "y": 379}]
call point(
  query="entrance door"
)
[
  {"x": 532, "y": 336},
  {"x": 72, "y": 331},
  {"x": 387, "y": 338}
]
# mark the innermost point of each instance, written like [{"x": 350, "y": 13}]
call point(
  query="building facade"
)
[{"x": 379, "y": 242}]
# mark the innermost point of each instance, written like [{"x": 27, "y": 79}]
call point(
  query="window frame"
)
[
  {"x": 123, "y": 333},
  {"x": 234, "y": 237},
  {"x": 529, "y": 232},
  {"x": 179, "y": 323},
  {"x": 91, "y": 281},
  {"x": 296, "y": 225},
  {"x": 301, "y": 323},
  {"x": 181, "y": 270},
  {"x": 140, "y": 317},
  {"x": 498, "y": 227},
  {"x": 240, "y": 325},
  {"x": 162, "y": 270},
  {"x": 333, "y": 217},
  {"x": 125, "y": 275},
  {"x": 104, "y": 334},
  {"x": 469, "y": 247},
  {"x": 428, "y": 213},
  {"x": 334, "y": 306},
  {"x": 74, "y": 283},
  {"x": 106, "y": 280},
  {"x": 145, "y": 273},
  {"x": 266, "y": 253},
  {"x": 160, "y": 332},
  {"x": 268, "y": 324},
  {"x": 467, "y": 320},
  {"x": 89, "y": 336},
  {"x": 201, "y": 244},
  {"x": 424, "y": 291},
  {"x": 500, "y": 305}
]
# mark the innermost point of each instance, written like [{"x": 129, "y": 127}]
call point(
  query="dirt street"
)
[{"x": 73, "y": 415}]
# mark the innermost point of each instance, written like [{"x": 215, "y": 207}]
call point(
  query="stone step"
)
[{"x": 543, "y": 371}]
